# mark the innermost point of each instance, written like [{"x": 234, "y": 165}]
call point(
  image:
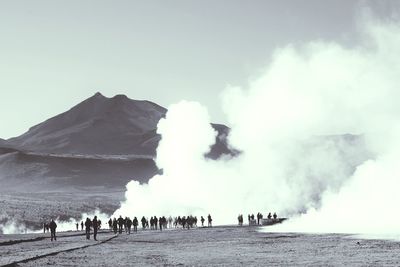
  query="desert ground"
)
[{"x": 217, "y": 246}]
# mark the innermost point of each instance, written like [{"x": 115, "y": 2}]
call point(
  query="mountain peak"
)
[{"x": 98, "y": 94}]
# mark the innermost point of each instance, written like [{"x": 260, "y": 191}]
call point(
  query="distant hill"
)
[
  {"x": 104, "y": 126},
  {"x": 101, "y": 142}
]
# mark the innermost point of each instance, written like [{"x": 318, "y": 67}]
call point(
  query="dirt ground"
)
[{"x": 217, "y": 246}]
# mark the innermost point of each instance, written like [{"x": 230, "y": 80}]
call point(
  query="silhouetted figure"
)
[
  {"x": 269, "y": 216},
  {"x": 110, "y": 224},
  {"x": 120, "y": 224},
  {"x": 115, "y": 226},
  {"x": 249, "y": 218},
  {"x": 88, "y": 224},
  {"x": 209, "y": 220},
  {"x": 144, "y": 221},
  {"x": 95, "y": 224},
  {"x": 184, "y": 222},
  {"x": 77, "y": 227},
  {"x": 259, "y": 217},
  {"x": 275, "y": 216},
  {"x": 135, "y": 224},
  {"x": 129, "y": 225},
  {"x": 53, "y": 227},
  {"x": 44, "y": 228},
  {"x": 82, "y": 225},
  {"x": 160, "y": 223},
  {"x": 240, "y": 220},
  {"x": 202, "y": 221},
  {"x": 155, "y": 221}
]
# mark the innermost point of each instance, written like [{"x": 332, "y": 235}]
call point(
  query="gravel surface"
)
[{"x": 218, "y": 246}]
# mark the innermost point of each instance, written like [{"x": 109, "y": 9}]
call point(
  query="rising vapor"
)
[{"x": 318, "y": 133}]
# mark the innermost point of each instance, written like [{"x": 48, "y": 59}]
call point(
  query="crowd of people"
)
[
  {"x": 155, "y": 223},
  {"x": 120, "y": 225},
  {"x": 256, "y": 220}
]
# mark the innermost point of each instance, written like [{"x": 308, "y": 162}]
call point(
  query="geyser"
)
[{"x": 318, "y": 133}]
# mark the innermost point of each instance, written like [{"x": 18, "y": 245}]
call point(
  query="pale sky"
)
[{"x": 56, "y": 53}]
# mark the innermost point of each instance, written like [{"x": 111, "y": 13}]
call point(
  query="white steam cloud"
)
[{"x": 319, "y": 132}]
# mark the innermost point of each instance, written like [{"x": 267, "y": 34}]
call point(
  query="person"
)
[
  {"x": 129, "y": 225},
  {"x": 135, "y": 223},
  {"x": 239, "y": 220},
  {"x": 269, "y": 216},
  {"x": 120, "y": 224},
  {"x": 44, "y": 228},
  {"x": 275, "y": 216},
  {"x": 88, "y": 224},
  {"x": 155, "y": 221},
  {"x": 110, "y": 224},
  {"x": 209, "y": 221},
  {"x": 144, "y": 222},
  {"x": 184, "y": 221},
  {"x": 95, "y": 224},
  {"x": 202, "y": 221},
  {"x": 53, "y": 227},
  {"x": 115, "y": 226},
  {"x": 81, "y": 225},
  {"x": 160, "y": 223},
  {"x": 77, "y": 227}
]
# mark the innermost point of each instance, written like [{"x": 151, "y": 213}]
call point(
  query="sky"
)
[{"x": 55, "y": 53}]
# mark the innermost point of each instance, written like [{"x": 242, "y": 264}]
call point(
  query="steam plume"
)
[{"x": 319, "y": 134}]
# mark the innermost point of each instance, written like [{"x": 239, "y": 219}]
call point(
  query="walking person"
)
[
  {"x": 135, "y": 223},
  {"x": 129, "y": 225},
  {"x": 53, "y": 227},
  {"x": 120, "y": 224},
  {"x": 95, "y": 224},
  {"x": 115, "y": 226},
  {"x": 209, "y": 221},
  {"x": 88, "y": 224}
]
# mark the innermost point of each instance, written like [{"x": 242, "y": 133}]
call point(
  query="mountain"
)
[
  {"x": 100, "y": 143},
  {"x": 98, "y": 125},
  {"x": 104, "y": 126}
]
